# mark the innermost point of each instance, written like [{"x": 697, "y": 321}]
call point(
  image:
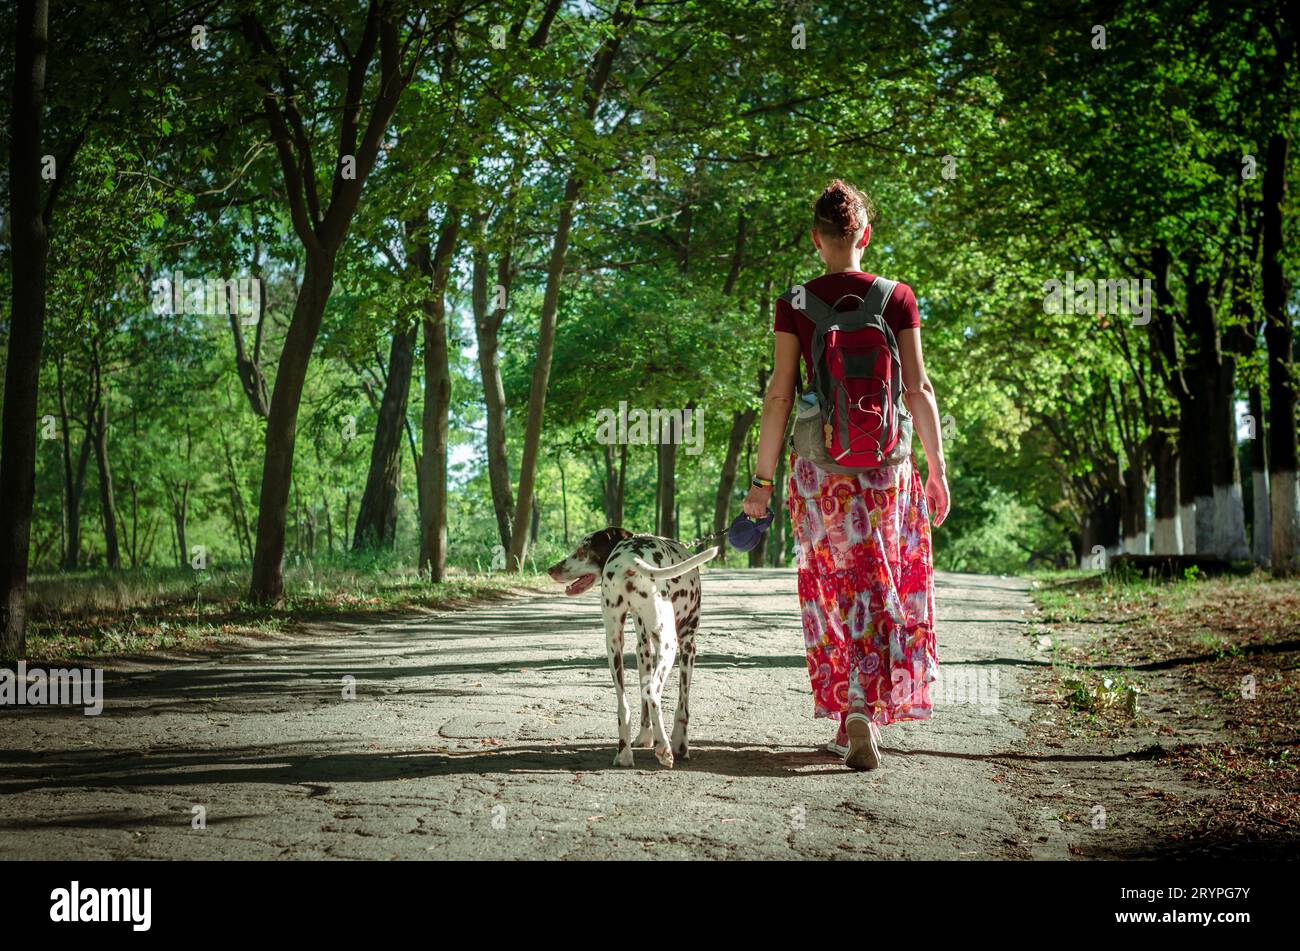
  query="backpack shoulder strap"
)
[
  {"x": 814, "y": 308},
  {"x": 882, "y": 288},
  {"x": 821, "y": 314}
]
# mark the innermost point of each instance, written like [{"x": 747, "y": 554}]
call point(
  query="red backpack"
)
[{"x": 859, "y": 422}]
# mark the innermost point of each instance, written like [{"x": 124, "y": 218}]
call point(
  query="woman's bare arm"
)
[
  {"x": 776, "y": 415},
  {"x": 924, "y": 407}
]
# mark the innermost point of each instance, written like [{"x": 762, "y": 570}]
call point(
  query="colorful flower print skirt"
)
[{"x": 866, "y": 589}]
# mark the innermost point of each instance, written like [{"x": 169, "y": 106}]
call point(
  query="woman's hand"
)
[
  {"x": 756, "y": 501},
  {"x": 936, "y": 495}
]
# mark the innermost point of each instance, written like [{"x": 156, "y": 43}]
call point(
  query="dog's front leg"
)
[{"x": 614, "y": 650}]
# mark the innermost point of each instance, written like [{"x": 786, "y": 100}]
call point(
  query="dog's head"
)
[{"x": 582, "y": 568}]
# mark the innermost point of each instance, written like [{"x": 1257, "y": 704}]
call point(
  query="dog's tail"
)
[{"x": 672, "y": 571}]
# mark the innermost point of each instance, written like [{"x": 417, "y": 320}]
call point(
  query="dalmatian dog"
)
[{"x": 658, "y": 581}]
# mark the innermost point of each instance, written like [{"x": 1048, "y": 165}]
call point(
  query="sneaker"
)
[
  {"x": 840, "y": 746},
  {"x": 863, "y": 752}
]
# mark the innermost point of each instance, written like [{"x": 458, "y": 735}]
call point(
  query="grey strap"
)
[
  {"x": 878, "y": 296},
  {"x": 842, "y": 401},
  {"x": 816, "y": 309}
]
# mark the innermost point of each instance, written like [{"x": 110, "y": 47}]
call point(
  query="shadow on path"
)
[{"x": 292, "y": 765}]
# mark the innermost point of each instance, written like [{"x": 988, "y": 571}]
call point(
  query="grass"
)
[
  {"x": 1131, "y": 654},
  {"x": 95, "y": 614}
]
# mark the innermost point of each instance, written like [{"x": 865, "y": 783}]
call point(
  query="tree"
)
[
  {"x": 29, "y": 224},
  {"x": 321, "y": 228},
  {"x": 593, "y": 88}
]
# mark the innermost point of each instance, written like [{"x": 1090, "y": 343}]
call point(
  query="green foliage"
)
[{"x": 698, "y": 170}]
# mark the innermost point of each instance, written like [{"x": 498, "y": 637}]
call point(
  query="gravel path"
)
[{"x": 489, "y": 733}]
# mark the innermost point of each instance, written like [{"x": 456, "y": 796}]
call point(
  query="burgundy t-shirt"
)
[{"x": 900, "y": 312}]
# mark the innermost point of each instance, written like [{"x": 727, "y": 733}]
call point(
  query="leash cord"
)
[{"x": 703, "y": 538}]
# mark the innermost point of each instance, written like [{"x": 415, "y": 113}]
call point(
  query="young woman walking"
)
[{"x": 866, "y": 575}]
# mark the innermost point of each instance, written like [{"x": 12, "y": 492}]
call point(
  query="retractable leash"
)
[{"x": 743, "y": 533}]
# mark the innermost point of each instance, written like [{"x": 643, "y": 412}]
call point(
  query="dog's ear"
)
[{"x": 602, "y": 543}]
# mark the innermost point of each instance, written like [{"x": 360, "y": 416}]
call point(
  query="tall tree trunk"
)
[
  {"x": 1134, "y": 505},
  {"x": 596, "y": 79},
  {"x": 1261, "y": 529},
  {"x": 146, "y": 545},
  {"x": 321, "y": 229},
  {"x": 1217, "y": 391},
  {"x": 347, "y": 507},
  {"x": 1239, "y": 341},
  {"x": 1167, "y": 538},
  {"x": 1175, "y": 488},
  {"x": 133, "y": 539},
  {"x": 29, "y": 248},
  {"x": 564, "y": 496},
  {"x": 238, "y": 515},
  {"x": 741, "y": 420},
  {"x": 659, "y": 488},
  {"x": 613, "y": 483},
  {"x": 741, "y": 423},
  {"x": 1283, "y": 473},
  {"x": 74, "y": 481},
  {"x": 65, "y": 445},
  {"x": 180, "y": 499},
  {"x": 1225, "y": 468},
  {"x": 1203, "y": 377},
  {"x": 267, "y": 586},
  {"x": 541, "y": 377},
  {"x": 436, "y": 267},
  {"x": 487, "y": 324},
  {"x": 249, "y": 365},
  {"x": 1100, "y": 537},
  {"x": 667, "y": 452},
  {"x": 311, "y": 530},
  {"x": 377, "y": 515},
  {"x": 670, "y": 433},
  {"x": 1189, "y": 447},
  {"x": 329, "y": 522},
  {"x": 107, "y": 504}
]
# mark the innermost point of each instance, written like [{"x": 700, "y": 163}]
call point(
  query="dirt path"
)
[{"x": 487, "y": 733}]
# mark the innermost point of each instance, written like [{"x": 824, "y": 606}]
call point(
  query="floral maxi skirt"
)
[{"x": 866, "y": 589}]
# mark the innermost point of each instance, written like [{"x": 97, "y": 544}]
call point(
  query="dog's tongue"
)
[{"x": 581, "y": 585}]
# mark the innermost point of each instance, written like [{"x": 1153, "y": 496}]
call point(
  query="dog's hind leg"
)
[
  {"x": 614, "y": 649},
  {"x": 645, "y": 738},
  {"x": 663, "y": 651},
  {"x": 686, "y": 634}
]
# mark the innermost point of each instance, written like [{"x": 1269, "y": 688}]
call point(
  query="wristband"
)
[{"x": 759, "y": 482}]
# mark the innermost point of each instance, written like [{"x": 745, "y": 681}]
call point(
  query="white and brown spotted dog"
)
[{"x": 658, "y": 581}]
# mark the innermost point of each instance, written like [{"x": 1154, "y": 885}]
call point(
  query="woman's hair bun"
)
[{"x": 842, "y": 211}]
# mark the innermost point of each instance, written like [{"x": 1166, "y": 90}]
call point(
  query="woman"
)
[{"x": 866, "y": 579}]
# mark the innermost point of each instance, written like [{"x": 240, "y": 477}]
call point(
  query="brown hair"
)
[{"x": 842, "y": 211}]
